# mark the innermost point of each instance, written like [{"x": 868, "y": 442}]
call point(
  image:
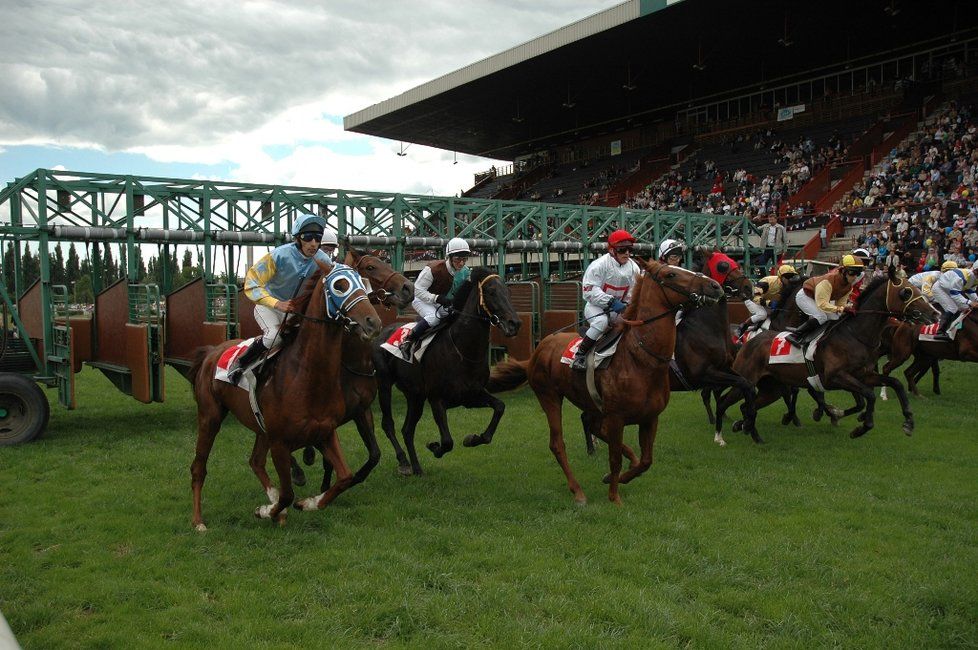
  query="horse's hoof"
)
[
  {"x": 405, "y": 470},
  {"x": 795, "y": 421},
  {"x": 738, "y": 425},
  {"x": 282, "y": 518},
  {"x": 857, "y": 432},
  {"x": 473, "y": 440},
  {"x": 580, "y": 500},
  {"x": 786, "y": 419},
  {"x": 817, "y": 414},
  {"x": 200, "y": 528},
  {"x": 439, "y": 449},
  {"x": 264, "y": 512},
  {"x": 908, "y": 428},
  {"x": 757, "y": 438},
  {"x": 718, "y": 438},
  {"x": 606, "y": 479},
  {"x": 308, "y": 455},
  {"x": 937, "y": 391}
]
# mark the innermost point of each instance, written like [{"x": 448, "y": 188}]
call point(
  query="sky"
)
[{"x": 249, "y": 91}]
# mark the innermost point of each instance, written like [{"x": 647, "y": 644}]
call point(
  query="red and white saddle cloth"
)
[
  {"x": 393, "y": 343},
  {"x": 783, "y": 351},
  {"x": 229, "y": 361},
  {"x": 600, "y": 356},
  {"x": 928, "y": 332}
]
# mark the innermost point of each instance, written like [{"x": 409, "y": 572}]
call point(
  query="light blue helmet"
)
[{"x": 306, "y": 220}]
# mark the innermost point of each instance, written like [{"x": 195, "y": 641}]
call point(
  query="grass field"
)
[{"x": 810, "y": 540}]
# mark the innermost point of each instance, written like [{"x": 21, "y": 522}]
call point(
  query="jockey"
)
[
  {"x": 766, "y": 292},
  {"x": 330, "y": 243},
  {"x": 607, "y": 285},
  {"x": 275, "y": 279},
  {"x": 954, "y": 291},
  {"x": 434, "y": 289},
  {"x": 823, "y": 298},
  {"x": 672, "y": 251},
  {"x": 925, "y": 279}
]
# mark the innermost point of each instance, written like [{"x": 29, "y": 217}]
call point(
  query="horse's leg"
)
[
  {"x": 415, "y": 408},
  {"x": 821, "y": 406},
  {"x": 298, "y": 476},
  {"x": 791, "y": 402},
  {"x": 626, "y": 451},
  {"x": 440, "y": 414},
  {"x": 387, "y": 424},
  {"x": 259, "y": 452},
  {"x": 330, "y": 448},
  {"x": 646, "y": 441},
  {"x": 612, "y": 428},
  {"x": 935, "y": 369},
  {"x": 901, "y": 393},
  {"x": 281, "y": 457},
  {"x": 857, "y": 407},
  {"x": 723, "y": 378},
  {"x": 911, "y": 374},
  {"x": 365, "y": 427},
  {"x": 848, "y": 382},
  {"x": 705, "y": 395},
  {"x": 209, "y": 418},
  {"x": 484, "y": 399},
  {"x": 588, "y": 435},
  {"x": 551, "y": 405}
]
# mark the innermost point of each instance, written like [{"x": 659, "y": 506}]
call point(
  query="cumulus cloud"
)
[{"x": 223, "y": 80}]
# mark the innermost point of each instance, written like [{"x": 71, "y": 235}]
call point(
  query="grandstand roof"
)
[{"x": 637, "y": 62}]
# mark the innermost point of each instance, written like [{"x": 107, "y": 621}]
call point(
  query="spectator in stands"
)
[{"x": 774, "y": 241}]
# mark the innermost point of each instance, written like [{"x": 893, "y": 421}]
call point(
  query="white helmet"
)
[
  {"x": 329, "y": 238},
  {"x": 671, "y": 246},
  {"x": 456, "y": 246}
]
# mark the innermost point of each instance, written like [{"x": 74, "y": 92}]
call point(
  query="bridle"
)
[
  {"x": 906, "y": 305},
  {"x": 693, "y": 299},
  {"x": 491, "y": 317},
  {"x": 382, "y": 294},
  {"x": 342, "y": 310}
]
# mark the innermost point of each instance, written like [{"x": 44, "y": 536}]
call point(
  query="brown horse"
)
[
  {"x": 299, "y": 394},
  {"x": 846, "y": 357},
  {"x": 904, "y": 342},
  {"x": 358, "y": 377},
  {"x": 634, "y": 388}
]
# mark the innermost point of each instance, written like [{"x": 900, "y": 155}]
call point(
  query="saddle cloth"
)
[
  {"x": 229, "y": 361},
  {"x": 601, "y": 354},
  {"x": 783, "y": 351},
  {"x": 393, "y": 343},
  {"x": 928, "y": 332}
]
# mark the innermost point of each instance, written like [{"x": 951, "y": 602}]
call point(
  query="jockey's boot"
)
[
  {"x": 742, "y": 328},
  {"x": 946, "y": 318},
  {"x": 580, "y": 357},
  {"x": 412, "y": 339},
  {"x": 251, "y": 354},
  {"x": 798, "y": 334}
]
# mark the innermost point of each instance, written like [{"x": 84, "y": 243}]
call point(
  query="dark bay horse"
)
[
  {"x": 634, "y": 388},
  {"x": 846, "y": 357},
  {"x": 384, "y": 286},
  {"x": 903, "y": 341},
  {"x": 453, "y": 371},
  {"x": 299, "y": 394}
]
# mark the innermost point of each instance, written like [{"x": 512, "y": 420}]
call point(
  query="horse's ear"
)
[
  {"x": 891, "y": 272},
  {"x": 326, "y": 268}
]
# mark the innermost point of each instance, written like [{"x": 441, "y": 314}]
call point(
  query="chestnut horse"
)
[
  {"x": 634, "y": 388},
  {"x": 358, "y": 376},
  {"x": 846, "y": 357},
  {"x": 299, "y": 394},
  {"x": 453, "y": 371},
  {"x": 904, "y": 342}
]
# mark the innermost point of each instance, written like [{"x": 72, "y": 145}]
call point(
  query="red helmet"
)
[{"x": 619, "y": 237}]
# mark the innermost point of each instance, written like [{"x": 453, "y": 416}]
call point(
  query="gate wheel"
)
[{"x": 24, "y": 409}]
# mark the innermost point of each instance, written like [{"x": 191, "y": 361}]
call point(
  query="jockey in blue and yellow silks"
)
[
  {"x": 955, "y": 291},
  {"x": 275, "y": 279}
]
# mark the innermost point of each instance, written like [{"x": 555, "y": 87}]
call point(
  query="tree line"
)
[{"x": 76, "y": 273}]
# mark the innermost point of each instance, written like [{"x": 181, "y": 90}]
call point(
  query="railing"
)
[
  {"x": 222, "y": 302},
  {"x": 145, "y": 305}
]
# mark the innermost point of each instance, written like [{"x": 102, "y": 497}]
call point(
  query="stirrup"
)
[{"x": 579, "y": 363}]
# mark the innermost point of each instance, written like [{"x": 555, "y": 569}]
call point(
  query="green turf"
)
[{"x": 810, "y": 540}]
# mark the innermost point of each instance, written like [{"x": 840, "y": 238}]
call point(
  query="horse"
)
[
  {"x": 357, "y": 375},
  {"x": 634, "y": 388},
  {"x": 904, "y": 342},
  {"x": 299, "y": 393},
  {"x": 846, "y": 357},
  {"x": 453, "y": 371}
]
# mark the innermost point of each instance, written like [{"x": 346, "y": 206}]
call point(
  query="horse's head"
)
[
  {"x": 725, "y": 270},
  {"x": 494, "y": 303},
  {"x": 390, "y": 288},
  {"x": 905, "y": 301},
  {"x": 347, "y": 302},
  {"x": 683, "y": 288}
]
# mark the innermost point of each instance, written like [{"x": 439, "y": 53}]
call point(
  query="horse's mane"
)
[
  {"x": 875, "y": 284},
  {"x": 477, "y": 275},
  {"x": 290, "y": 328},
  {"x": 636, "y": 297}
]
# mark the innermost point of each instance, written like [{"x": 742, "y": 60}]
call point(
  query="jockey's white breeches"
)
[
  {"x": 598, "y": 320},
  {"x": 807, "y": 304},
  {"x": 945, "y": 300},
  {"x": 270, "y": 321},
  {"x": 758, "y": 313},
  {"x": 431, "y": 313}
]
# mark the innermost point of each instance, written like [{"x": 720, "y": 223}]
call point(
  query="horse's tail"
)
[
  {"x": 198, "y": 360},
  {"x": 507, "y": 375}
]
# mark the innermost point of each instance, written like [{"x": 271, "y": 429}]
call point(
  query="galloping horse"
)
[
  {"x": 904, "y": 342},
  {"x": 453, "y": 371},
  {"x": 358, "y": 376},
  {"x": 634, "y": 388},
  {"x": 846, "y": 358},
  {"x": 299, "y": 394}
]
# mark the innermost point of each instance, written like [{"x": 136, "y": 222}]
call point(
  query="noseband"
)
[
  {"x": 493, "y": 318},
  {"x": 906, "y": 305}
]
